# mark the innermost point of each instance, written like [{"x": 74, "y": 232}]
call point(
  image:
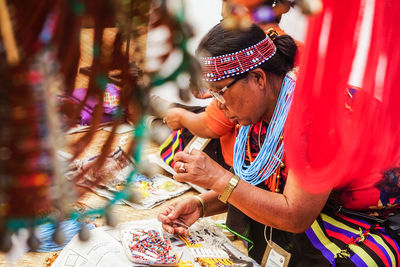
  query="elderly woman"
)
[
  {"x": 211, "y": 123},
  {"x": 250, "y": 75}
]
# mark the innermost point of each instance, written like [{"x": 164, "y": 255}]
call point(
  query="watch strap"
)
[{"x": 233, "y": 182}]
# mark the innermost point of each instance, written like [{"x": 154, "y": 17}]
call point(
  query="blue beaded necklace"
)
[{"x": 270, "y": 155}]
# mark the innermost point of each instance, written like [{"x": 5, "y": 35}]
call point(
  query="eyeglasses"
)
[{"x": 219, "y": 95}]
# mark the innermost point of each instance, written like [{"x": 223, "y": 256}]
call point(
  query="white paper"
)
[
  {"x": 150, "y": 193},
  {"x": 101, "y": 250},
  {"x": 155, "y": 158},
  {"x": 275, "y": 259}
]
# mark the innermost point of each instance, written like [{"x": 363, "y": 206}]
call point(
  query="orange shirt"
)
[{"x": 217, "y": 122}]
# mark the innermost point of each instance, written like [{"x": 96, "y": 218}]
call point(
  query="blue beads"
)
[{"x": 271, "y": 152}]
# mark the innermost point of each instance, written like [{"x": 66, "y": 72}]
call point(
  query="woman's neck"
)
[{"x": 275, "y": 83}]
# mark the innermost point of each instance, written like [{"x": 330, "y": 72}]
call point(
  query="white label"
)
[{"x": 275, "y": 259}]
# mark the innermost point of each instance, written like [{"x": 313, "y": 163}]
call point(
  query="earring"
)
[{"x": 274, "y": 4}]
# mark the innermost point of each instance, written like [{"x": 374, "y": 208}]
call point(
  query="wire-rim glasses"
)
[{"x": 219, "y": 94}]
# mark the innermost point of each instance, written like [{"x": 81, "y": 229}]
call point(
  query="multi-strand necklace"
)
[{"x": 271, "y": 152}]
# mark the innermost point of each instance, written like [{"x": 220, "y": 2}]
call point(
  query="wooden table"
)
[{"x": 124, "y": 213}]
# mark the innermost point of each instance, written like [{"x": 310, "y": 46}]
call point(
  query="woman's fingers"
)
[
  {"x": 168, "y": 228},
  {"x": 163, "y": 216},
  {"x": 187, "y": 156},
  {"x": 166, "y": 218},
  {"x": 185, "y": 159},
  {"x": 181, "y": 230},
  {"x": 180, "y": 167},
  {"x": 182, "y": 177},
  {"x": 172, "y": 218},
  {"x": 181, "y": 156},
  {"x": 197, "y": 168}
]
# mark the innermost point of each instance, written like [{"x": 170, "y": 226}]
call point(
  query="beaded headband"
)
[{"x": 221, "y": 67}]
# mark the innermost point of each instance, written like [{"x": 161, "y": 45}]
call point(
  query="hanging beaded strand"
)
[
  {"x": 274, "y": 182},
  {"x": 271, "y": 152}
]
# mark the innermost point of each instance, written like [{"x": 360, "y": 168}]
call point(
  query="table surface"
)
[{"x": 124, "y": 213}]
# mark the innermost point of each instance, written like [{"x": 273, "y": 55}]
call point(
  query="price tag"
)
[{"x": 275, "y": 256}]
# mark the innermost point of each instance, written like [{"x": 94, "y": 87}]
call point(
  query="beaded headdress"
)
[{"x": 224, "y": 66}]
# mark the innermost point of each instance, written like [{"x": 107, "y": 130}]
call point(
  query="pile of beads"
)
[{"x": 148, "y": 247}]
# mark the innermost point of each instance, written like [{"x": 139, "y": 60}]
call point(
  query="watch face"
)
[
  {"x": 234, "y": 180},
  {"x": 229, "y": 188}
]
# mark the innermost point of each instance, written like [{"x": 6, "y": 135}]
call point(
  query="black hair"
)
[{"x": 220, "y": 41}]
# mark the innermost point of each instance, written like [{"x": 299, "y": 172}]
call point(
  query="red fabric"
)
[
  {"x": 324, "y": 146},
  {"x": 360, "y": 194},
  {"x": 392, "y": 244},
  {"x": 362, "y": 224}
]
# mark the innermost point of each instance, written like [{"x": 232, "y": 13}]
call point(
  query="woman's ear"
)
[{"x": 260, "y": 77}]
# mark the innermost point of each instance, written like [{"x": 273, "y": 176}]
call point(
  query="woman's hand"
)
[
  {"x": 180, "y": 215},
  {"x": 198, "y": 168},
  {"x": 173, "y": 118},
  {"x": 202, "y": 94},
  {"x": 177, "y": 118}
]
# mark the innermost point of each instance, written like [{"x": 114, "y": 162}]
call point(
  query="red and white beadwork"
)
[
  {"x": 224, "y": 66},
  {"x": 149, "y": 246}
]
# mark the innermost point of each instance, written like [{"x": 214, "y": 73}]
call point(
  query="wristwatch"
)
[{"x": 229, "y": 188}]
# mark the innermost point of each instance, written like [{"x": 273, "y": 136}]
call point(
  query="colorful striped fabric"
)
[
  {"x": 171, "y": 146},
  {"x": 339, "y": 236}
]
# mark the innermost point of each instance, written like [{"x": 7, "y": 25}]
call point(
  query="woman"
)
[
  {"x": 211, "y": 122},
  {"x": 253, "y": 108},
  {"x": 252, "y": 91}
]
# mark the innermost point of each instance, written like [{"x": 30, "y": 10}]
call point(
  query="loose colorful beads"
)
[{"x": 149, "y": 247}]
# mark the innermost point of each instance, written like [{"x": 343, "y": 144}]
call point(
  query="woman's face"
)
[{"x": 246, "y": 101}]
